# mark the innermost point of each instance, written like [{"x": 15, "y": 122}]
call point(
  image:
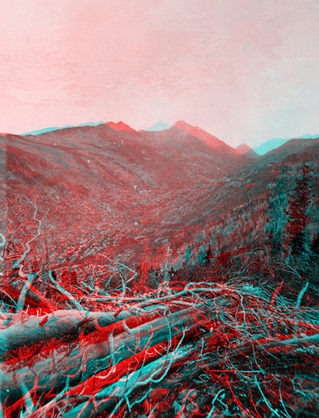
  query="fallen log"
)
[
  {"x": 94, "y": 384},
  {"x": 122, "y": 389},
  {"x": 22, "y": 330},
  {"x": 19, "y": 330},
  {"x": 91, "y": 359},
  {"x": 82, "y": 361}
]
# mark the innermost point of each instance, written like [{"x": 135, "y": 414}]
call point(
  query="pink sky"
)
[{"x": 244, "y": 70}]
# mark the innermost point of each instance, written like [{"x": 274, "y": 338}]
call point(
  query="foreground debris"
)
[{"x": 186, "y": 350}]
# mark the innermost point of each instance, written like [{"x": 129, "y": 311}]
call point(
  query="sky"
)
[{"x": 244, "y": 70}]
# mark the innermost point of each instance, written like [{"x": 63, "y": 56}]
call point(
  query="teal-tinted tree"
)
[
  {"x": 315, "y": 245},
  {"x": 209, "y": 255},
  {"x": 205, "y": 255},
  {"x": 297, "y": 212},
  {"x": 188, "y": 256},
  {"x": 201, "y": 257},
  {"x": 275, "y": 212}
]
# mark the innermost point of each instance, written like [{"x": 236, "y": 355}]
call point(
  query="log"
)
[
  {"x": 96, "y": 383},
  {"x": 121, "y": 390},
  {"x": 22, "y": 330},
  {"x": 82, "y": 362}
]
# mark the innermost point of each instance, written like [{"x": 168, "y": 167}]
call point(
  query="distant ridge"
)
[
  {"x": 242, "y": 148},
  {"x": 277, "y": 142},
  {"x": 43, "y": 131},
  {"x": 120, "y": 126},
  {"x": 245, "y": 150},
  {"x": 207, "y": 138},
  {"x": 159, "y": 126},
  {"x": 270, "y": 145}
]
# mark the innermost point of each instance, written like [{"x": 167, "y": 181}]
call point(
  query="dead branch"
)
[
  {"x": 66, "y": 293},
  {"x": 34, "y": 298}
]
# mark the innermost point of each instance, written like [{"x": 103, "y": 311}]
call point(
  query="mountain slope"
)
[
  {"x": 243, "y": 148},
  {"x": 272, "y": 144},
  {"x": 42, "y": 131},
  {"x": 209, "y": 139},
  {"x": 105, "y": 188},
  {"x": 104, "y": 193},
  {"x": 294, "y": 147}
]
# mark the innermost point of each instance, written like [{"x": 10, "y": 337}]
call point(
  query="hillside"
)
[
  {"x": 119, "y": 191},
  {"x": 207, "y": 138},
  {"x": 112, "y": 191},
  {"x": 293, "y": 146}
]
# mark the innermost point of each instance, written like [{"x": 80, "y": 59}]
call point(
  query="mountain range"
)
[{"x": 209, "y": 139}]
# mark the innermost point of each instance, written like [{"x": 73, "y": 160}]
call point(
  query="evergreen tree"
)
[
  {"x": 298, "y": 243},
  {"x": 276, "y": 216},
  {"x": 201, "y": 258},
  {"x": 315, "y": 245},
  {"x": 172, "y": 273},
  {"x": 209, "y": 255},
  {"x": 188, "y": 255},
  {"x": 297, "y": 212}
]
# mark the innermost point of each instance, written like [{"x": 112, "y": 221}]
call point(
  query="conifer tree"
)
[
  {"x": 276, "y": 216},
  {"x": 201, "y": 257},
  {"x": 297, "y": 212},
  {"x": 188, "y": 255},
  {"x": 209, "y": 255},
  {"x": 315, "y": 245}
]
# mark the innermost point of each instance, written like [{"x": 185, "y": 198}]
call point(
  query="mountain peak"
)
[
  {"x": 206, "y": 137},
  {"x": 120, "y": 126},
  {"x": 181, "y": 124},
  {"x": 242, "y": 148},
  {"x": 159, "y": 126}
]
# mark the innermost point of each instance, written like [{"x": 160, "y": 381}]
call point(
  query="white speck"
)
[
  {"x": 100, "y": 145},
  {"x": 88, "y": 161},
  {"x": 54, "y": 143},
  {"x": 135, "y": 223},
  {"x": 134, "y": 187}
]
